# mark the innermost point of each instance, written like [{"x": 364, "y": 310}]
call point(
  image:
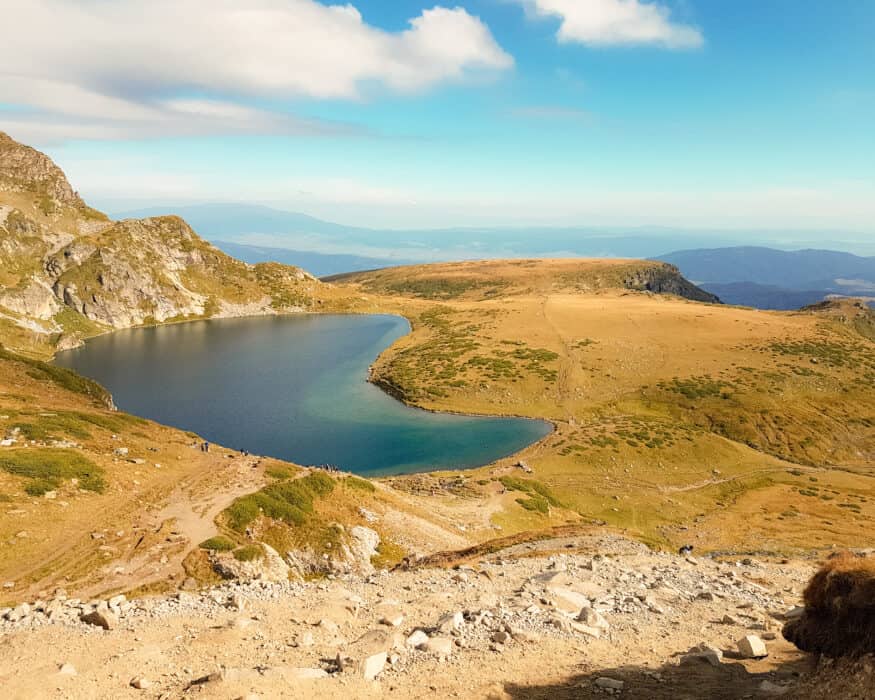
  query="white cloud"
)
[
  {"x": 128, "y": 67},
  {"x": 617, "y": 23}
]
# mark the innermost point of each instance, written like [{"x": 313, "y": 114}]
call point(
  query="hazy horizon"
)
[{"x": 686, "y": 114}]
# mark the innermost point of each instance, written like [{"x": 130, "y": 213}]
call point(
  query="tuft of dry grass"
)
[{"x": 839, "y": 618}]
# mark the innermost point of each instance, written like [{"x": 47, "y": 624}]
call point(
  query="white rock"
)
[
  {"x": 567, "y": 600},
  {"x": 752, "y": 647},
  {"x": 451, "y": 622},
  {"x": 417, "y": 639},
  {"x": 440, "y": 646},
  {"x": 67, "y": 670},
  {"x": 141, "y": 683},
  {"x": 371, "y": 666},
  {"x": 305, "y": 674},
  {"x": 593, "y": 618}
]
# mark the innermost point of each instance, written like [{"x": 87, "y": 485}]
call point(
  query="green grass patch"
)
[
  {"x": 354, "y": 482},
  {"x": 64, "y": 378},
  {"x": 48, "y": 468},
  {"x": 388, "y": 554},
  {"x": 250, "y": 552},
  {"x": 539, "y": 497},
  {"x": 290, "y": 501},
  {"x": 280, "y": 472},
  {"x": 220, "y": 543},
  {"x": 72, "y": 424}
]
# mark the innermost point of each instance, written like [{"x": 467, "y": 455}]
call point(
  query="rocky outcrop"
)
[
  {"x": 353, "y": 555},
  {"x": 24, "y": 169},
  {"x": 267, "y": 566},
  {"x": 667, "y": 279},
  {"x": 58, "y": 255}
]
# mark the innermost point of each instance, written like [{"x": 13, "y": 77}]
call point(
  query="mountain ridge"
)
[{"x": 69, "y": 271}]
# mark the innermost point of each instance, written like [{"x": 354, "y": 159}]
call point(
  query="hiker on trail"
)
[{"x": 206, "y": 447}]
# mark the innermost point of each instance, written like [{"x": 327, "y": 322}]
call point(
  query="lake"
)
[{"x": 292, "y": 387}]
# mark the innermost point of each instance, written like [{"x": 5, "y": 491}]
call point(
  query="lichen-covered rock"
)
[{"x": 269, "y": 567}]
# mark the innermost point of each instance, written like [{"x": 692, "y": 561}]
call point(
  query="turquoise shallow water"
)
[{"x": 292, "y": 387}]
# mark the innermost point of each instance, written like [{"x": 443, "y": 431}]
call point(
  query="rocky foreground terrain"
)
[{"x": 588, "y": 616}]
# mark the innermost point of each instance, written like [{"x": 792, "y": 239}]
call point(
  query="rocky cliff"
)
[
  {"x": 667, "y": 279},
  {"x": 68, "y": 271}
]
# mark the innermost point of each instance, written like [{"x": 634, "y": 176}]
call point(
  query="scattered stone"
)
[
  {"x": 141, "y": 683},
  {"x": 417, "y": 639},
  {"x": 305, "y": 674},
  {"x": 609, "y": 683},
  {"x": 451, "y": 622},
  {"x": 703, "y": 652},
  {"x": 593, "y": 618},
  {"x": 67, "y": 670},
  {"x": 440, "y": 646},
  {"x": 500, "y": 637},
  {"x": 752, "y": 647},
  {"x": 371, "y": 666},
  {"x": 101, "y": 617},
  {"x": 771, "y": 688}
]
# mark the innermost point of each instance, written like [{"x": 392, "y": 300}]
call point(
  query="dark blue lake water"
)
[{"x": 292, "y": 387}]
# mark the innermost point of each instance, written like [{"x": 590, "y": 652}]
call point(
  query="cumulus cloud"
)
[
  {"x": 125, "y": 64},
  {"x": 617, "y": 23}
]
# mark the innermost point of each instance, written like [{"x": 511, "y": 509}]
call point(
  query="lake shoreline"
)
[{"x": 461, "y": 447}]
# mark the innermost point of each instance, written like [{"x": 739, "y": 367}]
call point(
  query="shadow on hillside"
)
[{"x": 691, "y": 681}]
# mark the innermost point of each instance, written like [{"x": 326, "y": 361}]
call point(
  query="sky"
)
[{"x": 750, "y": 114}]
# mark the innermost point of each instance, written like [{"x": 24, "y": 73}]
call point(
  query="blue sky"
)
[{"x": 684, "y": 113}]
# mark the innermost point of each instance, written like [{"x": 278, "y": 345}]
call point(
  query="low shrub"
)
[
  {"x": 290, "y": 501},
  {"x": 217, "y": 544}
]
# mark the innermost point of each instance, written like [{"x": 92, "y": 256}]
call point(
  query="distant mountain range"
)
[
  {"x": 264, "y": 227},
  {"x": 762, "y": 277},
  {"x": 775, "y": 279},
  {"x": 319, "y": 264}
]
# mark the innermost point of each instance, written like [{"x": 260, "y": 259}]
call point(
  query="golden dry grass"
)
[{"x": 680, "y": 421}]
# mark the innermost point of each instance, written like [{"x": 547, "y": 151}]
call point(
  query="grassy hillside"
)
[
  {"x": 759, "y": 428},
  {"x": 94, "y": 500}
]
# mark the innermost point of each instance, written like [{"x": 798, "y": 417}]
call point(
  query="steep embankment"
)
[{"x": 67, "y": 271}]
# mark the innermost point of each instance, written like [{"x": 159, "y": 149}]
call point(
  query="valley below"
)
[{"x": 149, "y": 564}]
